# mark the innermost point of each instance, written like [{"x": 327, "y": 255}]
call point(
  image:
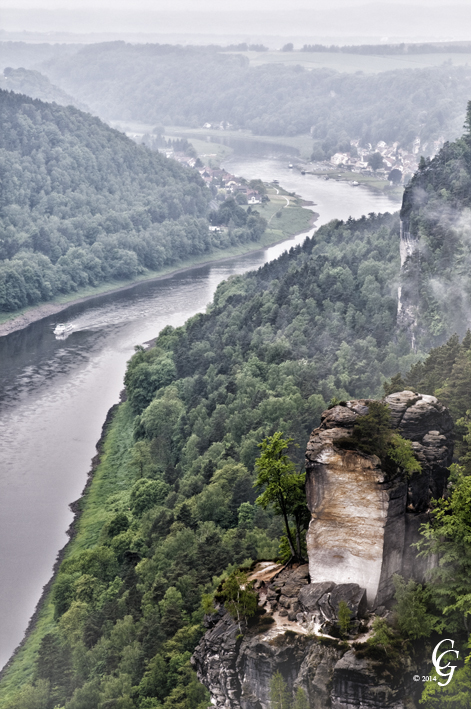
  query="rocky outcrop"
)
[
  {"x": 408, "y": 292},
  {"x": 238, "y": 670},
  {"x": 238, "y": 673},
  {"x": 359, "y": 682},
  {"x": 313, "y": 606},
  {"x": 365, "y": 519}
]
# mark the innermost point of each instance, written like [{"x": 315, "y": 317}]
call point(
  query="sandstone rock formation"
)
[
  {"x": 238, "y": 673},
  {"x": 364, "y": 520},
  {"x": 238, "y": 670}
]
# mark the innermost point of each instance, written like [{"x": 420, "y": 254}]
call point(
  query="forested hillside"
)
[
  {"x": 189, "y": 86},
  {"x": 36, "y": 85},
  {"x": 81, "y": 205},
  {"x": 436, "y": 215},
  {"x": 172, "y": 505}
]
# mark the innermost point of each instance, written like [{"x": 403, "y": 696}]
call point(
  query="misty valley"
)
[{"x": 247, "y": 276}]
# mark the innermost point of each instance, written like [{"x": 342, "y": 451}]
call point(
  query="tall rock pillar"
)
[{"x": 363, "y": 519}]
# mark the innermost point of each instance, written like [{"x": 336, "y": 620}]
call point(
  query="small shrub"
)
[{"x": 344, "y": 616}]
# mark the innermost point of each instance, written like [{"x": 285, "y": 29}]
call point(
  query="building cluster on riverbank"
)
[{"x": 393, "y": 157}]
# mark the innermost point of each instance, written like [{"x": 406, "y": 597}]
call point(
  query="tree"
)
[
  {"x": 395, "y": 384},
  {"x": 375, "y": 161},
  {"x": 171, "y": 611},
  {"x": 246, "y": 513},
  {"x": 395, "y": 176},
  {"x": 239, "y": 598},
  {"x": 284, "y": 488},
  {"x": 300, "y": 699},
  {"x": 279, "y": 695},
  {"x": 373, "y": 434},
  {"x": 467, "y": 123},
  {"x": 448, "y": 534},
  {"x": 344, "y": 615},
  {"x": 411, "y": 612},
  {"x": 146, "y": 494}
]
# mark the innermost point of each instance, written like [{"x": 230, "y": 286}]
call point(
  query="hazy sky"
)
[
  {"x": 227, "y": 5},
  {"x": 386, "y": 20}
]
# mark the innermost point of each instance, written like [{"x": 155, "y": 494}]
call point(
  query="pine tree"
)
[
  {"x": 300, "y": 699},
  {"x": 279, "y": 695}
]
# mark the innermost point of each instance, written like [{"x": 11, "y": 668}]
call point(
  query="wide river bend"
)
[{"x": 54, "y": 395}]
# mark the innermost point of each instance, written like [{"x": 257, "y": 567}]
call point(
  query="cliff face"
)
[
  {"x": 364, "y": 520},
  {"x": 238, "y": 670}
]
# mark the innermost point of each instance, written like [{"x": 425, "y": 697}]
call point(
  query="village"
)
[
  {"x": 381, "y": 161},
  {"x": 221, "y": 182},
  {"x": 393, "y": 158},
  {"x": 390, "y": 162}
]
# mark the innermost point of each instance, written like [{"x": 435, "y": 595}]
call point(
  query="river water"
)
[{"x": 54, "y": 395}]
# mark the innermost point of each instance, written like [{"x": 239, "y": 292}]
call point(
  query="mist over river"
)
[{"x": 54, "y": 394}]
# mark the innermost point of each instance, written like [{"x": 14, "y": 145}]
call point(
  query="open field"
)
[
  {"x": 285, "y": 214},
  {"x": 210, "y": 153},
  {"x": 368, "y": 63},
  {"x": 302, "y": 143}
]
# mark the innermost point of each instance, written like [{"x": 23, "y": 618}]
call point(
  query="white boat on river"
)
[{"x": 62, "y": 331}]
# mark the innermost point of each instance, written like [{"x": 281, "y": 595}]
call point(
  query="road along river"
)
[{"x": 54, "y": 394}]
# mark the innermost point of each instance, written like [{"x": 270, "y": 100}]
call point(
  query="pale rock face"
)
[{"x": 360, "y": 531}]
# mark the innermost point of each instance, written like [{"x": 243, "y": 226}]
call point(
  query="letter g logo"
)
[{"x": 437, "y": 662}]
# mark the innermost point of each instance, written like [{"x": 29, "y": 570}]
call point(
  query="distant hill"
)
[
  {"x": 36, "y": 85},
  {"x": 173, "y": 85},
  {"x": 81, "y": 204}
]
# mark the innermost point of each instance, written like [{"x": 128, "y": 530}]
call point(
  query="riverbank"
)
[
  {"x": 373, "y": 182},
  {"x": 19, "y": 670},
  {"x": 294, "y": 219}
]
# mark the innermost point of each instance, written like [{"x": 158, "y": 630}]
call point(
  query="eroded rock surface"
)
[
  {"x": 238, "y": 670},
  {"x": 364, "y": 520},
  {"x": 358, "y": 682}
]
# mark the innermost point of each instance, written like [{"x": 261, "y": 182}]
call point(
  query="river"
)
[{"x": 54, "y": 395}]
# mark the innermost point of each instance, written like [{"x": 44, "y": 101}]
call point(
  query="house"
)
[{"x": 340, "y": 158}]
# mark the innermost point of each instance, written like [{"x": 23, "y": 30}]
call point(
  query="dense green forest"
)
[
  {"x": 81, "y": 205},
  {"x": 172, "y": 506},
  {"x": 188, "y": 86},
  {"x": 436, "y": 212}
]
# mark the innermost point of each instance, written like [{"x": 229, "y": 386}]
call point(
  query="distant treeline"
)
[
  {"x": 81, "y": 204},
  {"x": 189, "y": 86},
  {"x": 403, "y": 48}
]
